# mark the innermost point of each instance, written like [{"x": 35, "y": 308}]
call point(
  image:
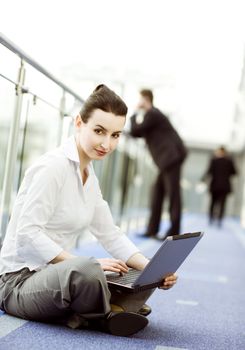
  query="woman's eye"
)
[
  {"x": 98, "y": 131},
  {"x": 116, "y": 136}
]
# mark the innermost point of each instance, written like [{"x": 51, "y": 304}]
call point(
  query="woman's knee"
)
[{"x": 81, "y": 269}]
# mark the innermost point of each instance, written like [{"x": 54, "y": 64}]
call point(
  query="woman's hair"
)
[
  {"x": 147, "y": 94},
  {"x": 105, "y": 99}
]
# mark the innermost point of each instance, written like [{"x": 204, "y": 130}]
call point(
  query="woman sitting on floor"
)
[{"x": 60, "y": 197}]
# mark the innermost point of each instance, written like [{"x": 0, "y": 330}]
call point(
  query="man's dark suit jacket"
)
[
  {"x": 165, "y": 145},
  {"x": 220, "y": 171}
]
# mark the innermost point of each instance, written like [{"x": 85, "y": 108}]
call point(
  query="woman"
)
[{"x": 59, "y": 197}]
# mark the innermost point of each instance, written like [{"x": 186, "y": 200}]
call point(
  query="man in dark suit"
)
[
  {"x": 168, "y": 152},
  {"x": 220, "y": 170}
]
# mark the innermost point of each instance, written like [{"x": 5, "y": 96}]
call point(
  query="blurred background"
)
[{"x": 190, "y": 53}]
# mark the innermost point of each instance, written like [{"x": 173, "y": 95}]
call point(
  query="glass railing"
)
[{"x": 33, "y": 108}]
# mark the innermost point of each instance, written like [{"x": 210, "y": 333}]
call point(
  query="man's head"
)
[
  {"x": 146, "y": 99},
  {"x": 221, "y": 152}
]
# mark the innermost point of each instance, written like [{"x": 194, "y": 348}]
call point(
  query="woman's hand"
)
[
  {"x": 114, "y": 265},
  {"x": 61, "y": 257},
  {"x": 169, "y": 281}
]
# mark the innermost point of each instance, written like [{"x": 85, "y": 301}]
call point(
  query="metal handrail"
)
[
  {"x": 14, "y": 48},
  {"x": 24, "y": 89}
]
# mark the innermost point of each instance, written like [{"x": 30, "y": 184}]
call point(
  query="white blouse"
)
[{"x": 53, "y": 208}]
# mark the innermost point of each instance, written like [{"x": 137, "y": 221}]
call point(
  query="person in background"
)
[
  {"x": 40, "y": 278},
  {"x": 168, "y": 153},
  {"x": 219, "y": 172}
]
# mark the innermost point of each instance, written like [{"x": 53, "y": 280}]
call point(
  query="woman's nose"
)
[{"x": 106, "y": 143}]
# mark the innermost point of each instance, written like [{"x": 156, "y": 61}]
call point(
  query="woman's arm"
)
[
  {"x": 118, "y": 244},
  {"x": 138, "y": 261},
  {"x": 150, "y": 120},
  {"x": 41, "y": 188}
]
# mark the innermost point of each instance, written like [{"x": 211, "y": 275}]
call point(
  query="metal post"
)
[
  {"x": 12, "y": 153},
  {"x": 61, "y": 115}
]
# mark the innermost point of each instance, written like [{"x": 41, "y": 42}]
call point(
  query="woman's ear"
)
[{"x": 78, "y": 121}]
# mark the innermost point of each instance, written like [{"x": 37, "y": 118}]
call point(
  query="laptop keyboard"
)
[{"x": 127, "y": 278}]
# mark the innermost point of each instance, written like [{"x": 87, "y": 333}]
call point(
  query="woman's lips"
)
[{"x": 100, "y": 153}]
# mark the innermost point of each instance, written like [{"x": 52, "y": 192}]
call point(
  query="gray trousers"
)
[{"x": 54, "y": 294}]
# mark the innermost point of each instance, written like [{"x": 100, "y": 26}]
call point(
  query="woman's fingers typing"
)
[{"x": 114, "y": 265}]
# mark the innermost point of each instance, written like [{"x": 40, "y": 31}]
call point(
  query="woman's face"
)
[{"x": 100, "y": 135}]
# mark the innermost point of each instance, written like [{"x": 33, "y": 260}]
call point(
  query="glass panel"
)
[
  {"x": 194, "y": 199},
  {"x": 67, "y": 128},
  {"x": 40, "y": 129},
  {"x": 72, "y": 108},
  {"x": 43, "y": 86},
  {"x": 10, "y": 63},
  {"x": 7, "y": 103}
]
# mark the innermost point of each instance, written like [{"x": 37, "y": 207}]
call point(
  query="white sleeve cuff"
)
[{"x": 121, "y": 248}]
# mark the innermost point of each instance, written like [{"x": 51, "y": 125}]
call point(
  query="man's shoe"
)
[
  {"x": 123, "y": 324},
  {"x": 145, "y": 310}
]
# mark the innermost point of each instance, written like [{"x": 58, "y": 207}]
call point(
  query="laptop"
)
[{"x": 166, "y": 261}]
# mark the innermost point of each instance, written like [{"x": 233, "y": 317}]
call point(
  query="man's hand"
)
[
  {"x": 169, "y": 281},
  {"x": 114, "y": 265}
]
